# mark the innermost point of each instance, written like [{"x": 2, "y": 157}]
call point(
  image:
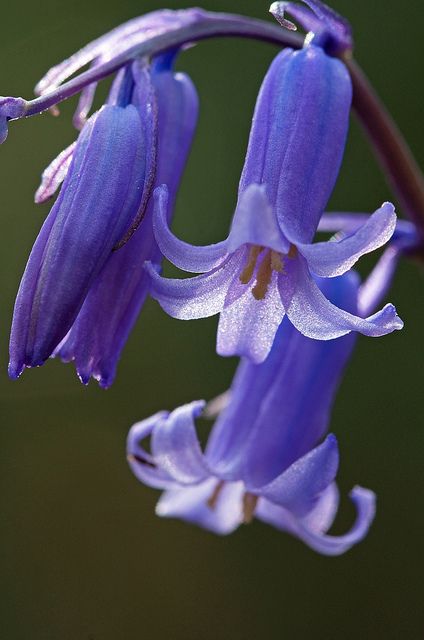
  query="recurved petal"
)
[
  {"x": 328, "y": 259},
  {"x": 182, "y": 254},
  {"x": 10, "y": 108},
  {"x": 314, "y": 316},
  {"x": 312, "y": 529},
  {"x": 298, "y": 488},
  {"x": 141, "y": 462},
  {"x": 192, "y": 504},
  {"x": 364, "y": 501},
  {"x": 350, "y": 222},
  {"x": 247, "y": 326},
  {"x": 255, "y": 222},
  {"x": 374, "y": 288},
  {"x": 53, "y": 176},
  {"x": 198, "y": 297},
  {"x": 175, "y": 446}
]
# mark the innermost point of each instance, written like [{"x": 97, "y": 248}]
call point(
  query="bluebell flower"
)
[
  {"x": 102, "y": 197},
  {"x": 117, "y": 295},
  {"x": 265, "y": 456},
  {"x": 101, "y": 315},
  {"x": 264, "y": 270}
]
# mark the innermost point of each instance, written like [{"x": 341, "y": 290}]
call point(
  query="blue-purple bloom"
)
[
  {"x": 265, "y": 456},
  {"x": 114, "y": 301},
  {"x": 100, "y": 199},
  {"x": 264, "y": 270},
  {"x": 74, "y": 282}
]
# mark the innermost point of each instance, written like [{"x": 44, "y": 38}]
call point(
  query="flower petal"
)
[
  {"x": 191, "y": 504},
  {"x": 364, "y": 500},
  {"x": 142, "y": 464},
  {"x": 247, "y": 326},
  {"x": 85, "y": 103},
  {"x": 97, "y": 202},
  {"x": 116, "y": 297},
  {"x": 298, "y": 488},
  {"x": 351, "y": 222},
  {"x": 306, "y": 529},
  {"x": 328, "y": 259},
  {"x": 255, "y": 222},
  {"x": 54, "y": 174},
  {"x": 280, "y": 409},
  {"x": 314, "y": 316},
  {"x": 297, "y": 155},
  {"x": 175, "y": 446},
  {"x": 10, "y": 108},
  {"x": 378, "y": 282},
  {"x": 182, "y": 254},
  {"x": 198, "y": 297}
]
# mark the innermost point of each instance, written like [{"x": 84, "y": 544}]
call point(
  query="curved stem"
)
[
  {"x": 392, "y": 151},
  {"x": 211, "y": 25},
  {"x": 389, "y": 145}
]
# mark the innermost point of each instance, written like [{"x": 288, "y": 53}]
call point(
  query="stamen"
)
[
  {"x": 249, "y": 505},
  {"x": 247, "y": 273},
  {"x": 263, "y": 278},
  {"x": 213, "y": 499},
  {"x": 277, "y": 263},
  {"x": 293, "y": 252}
]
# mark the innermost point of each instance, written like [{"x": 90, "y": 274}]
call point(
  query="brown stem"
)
[{"x": 393, "y": 153}]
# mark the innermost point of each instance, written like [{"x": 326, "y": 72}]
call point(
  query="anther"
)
[
  {"x": 247, "y": 273},
  {"x": 213, "y": 499},
  {"x": 293, "y": 252},
  {"x": 249, "y": 505},
  {"x": 263, "y": 278}
]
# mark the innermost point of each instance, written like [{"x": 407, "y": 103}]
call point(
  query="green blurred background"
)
[{"x": 83, "y": 557}]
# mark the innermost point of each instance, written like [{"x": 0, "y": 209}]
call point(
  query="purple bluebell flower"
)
[
  {"x": 263, "y": 271},
  {"x": 265, "y": 456},
  {"x": 114, "y": 301},
  {"x": 101, "y": 198}
]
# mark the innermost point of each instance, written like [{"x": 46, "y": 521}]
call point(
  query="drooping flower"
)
[
  {"x": 114, "y": 301},
  {"x": 103, "y": 194},
  {"x": 263, "y": 271},
  {"x": 265, "y": 457}
]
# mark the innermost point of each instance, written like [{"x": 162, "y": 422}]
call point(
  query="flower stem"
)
[
  {"x": 389, "y": 145},
  {"x": 392, "y": 151},
  {"x": 209, "y": 25}
]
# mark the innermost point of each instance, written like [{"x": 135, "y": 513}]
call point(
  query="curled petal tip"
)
[
  {"x": 10, "y": 109},
  {"x": 277, "y": 9},
  {"x": 326, "y": 28},
  {"x": 387, "y": 319}
]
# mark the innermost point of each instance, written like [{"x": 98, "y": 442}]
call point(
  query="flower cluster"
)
[{"x": 289, "y": 306}]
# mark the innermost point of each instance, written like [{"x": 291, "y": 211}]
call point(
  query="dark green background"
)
[{"x": 83, "y": 556}]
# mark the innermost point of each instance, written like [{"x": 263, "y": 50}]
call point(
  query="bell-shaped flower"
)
[
  {"x": 263, "y": 271},
  {"x": 99, "y": 203},
  {"x": 116, "y": 296},
  {"x": 265, "y": 456}
]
